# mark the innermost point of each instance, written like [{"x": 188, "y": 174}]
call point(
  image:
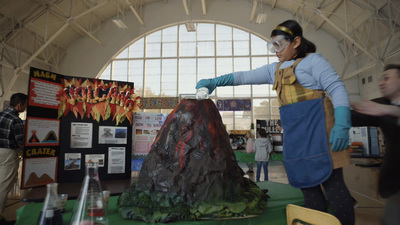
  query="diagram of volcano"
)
[{"x": 191, "y": 172}]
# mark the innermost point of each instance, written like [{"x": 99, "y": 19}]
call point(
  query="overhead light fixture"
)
[
  {"x": 261, "y": 18},
  {"x": 119, "y": 23},
  {"x": 190, "y": 27}
]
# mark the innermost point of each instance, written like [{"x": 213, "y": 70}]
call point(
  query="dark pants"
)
[
  {"x": 339, "y": 198},
  {"x": 265, "y": 166}
]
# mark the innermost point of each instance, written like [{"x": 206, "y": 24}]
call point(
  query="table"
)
[
  {"x": 275, "y": 214},
  {"x": 243, "y": 156},
  {"x": 37, "y": 194}
]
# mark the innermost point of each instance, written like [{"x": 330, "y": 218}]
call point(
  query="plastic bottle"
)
[
  {"x": 90, "y": 206},
  {"x": 51, "y": 213}
]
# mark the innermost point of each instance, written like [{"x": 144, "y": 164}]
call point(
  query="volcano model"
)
[{"x": 191, "y": 172}]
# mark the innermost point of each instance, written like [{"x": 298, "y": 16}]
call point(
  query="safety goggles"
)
[{"x": 277, "y": 44}]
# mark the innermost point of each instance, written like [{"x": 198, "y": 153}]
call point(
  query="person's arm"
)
[
  {"x": 17, "y": 128},
  {"x": 269, "y": 145},
  {"x": 375, "y": 109},
  {"x": 262, "y": 75}
]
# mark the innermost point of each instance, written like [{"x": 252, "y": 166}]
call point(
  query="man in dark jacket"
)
[{"x": 384, "y": 112}]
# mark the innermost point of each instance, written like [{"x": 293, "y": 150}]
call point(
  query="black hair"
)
[
  {"x": 293, "y": 30},
  {"x": 279, "y": 123},
  {"x": 18, "y": 98},
  {"x": 392, "y": 66},
  {"x": 262, "y": 133}
]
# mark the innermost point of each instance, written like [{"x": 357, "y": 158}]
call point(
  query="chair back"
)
[{"x": 296, "y": 214}]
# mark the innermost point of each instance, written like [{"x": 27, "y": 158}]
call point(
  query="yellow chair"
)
[{"x": 296, "y": 214}]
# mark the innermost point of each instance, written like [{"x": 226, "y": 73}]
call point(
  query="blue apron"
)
[{"x": 306, "y": 149}]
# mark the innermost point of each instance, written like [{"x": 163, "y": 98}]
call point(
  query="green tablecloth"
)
[
  {"x": 275, "y": 214},
  {"x": 242, "y": 156}
]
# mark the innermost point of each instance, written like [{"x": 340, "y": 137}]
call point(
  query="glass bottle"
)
[
  {"x": 51, "y": 213},
  {"x": 89, "y": 208}
]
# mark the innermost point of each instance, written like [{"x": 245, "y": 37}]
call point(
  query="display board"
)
[
  {"x": 73, "y": 120},
  {"x": 145, "y": 129}
]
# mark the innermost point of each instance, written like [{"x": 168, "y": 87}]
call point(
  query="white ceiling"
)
[{"x": 43, "y": 29}]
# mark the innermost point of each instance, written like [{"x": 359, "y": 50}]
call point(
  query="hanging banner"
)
[
  {"x": 159, "y": 103},
  {"x": 234, "y": 105}
]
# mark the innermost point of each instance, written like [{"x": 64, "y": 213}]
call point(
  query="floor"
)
[{"x": 368, "y": 211}]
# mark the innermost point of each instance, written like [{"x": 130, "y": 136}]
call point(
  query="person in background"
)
[
  {"x": 263, "y": 148},
  {"x": 316, "y": 134},
  {"x": 249, "y": 148},
  {"x": 279, "y": 126},
  {"x": 233, "y": 141},
  {"x": 384, "y": 112},
  {"x": 12, "y": 138}
]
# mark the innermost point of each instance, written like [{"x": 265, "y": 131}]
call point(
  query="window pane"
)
[
  {"x": 260, "y": 109},
  {"x": 242, "y": 120},
  {"x": 227, "y": 119},
  {"x": 205, "y": 32},
  {"x": 106, "y": 75},
  {"x": 259, "y": 90},
  {"x": 120, "y": 70},
  {"x": 224, "y": 66},
  {"x": 205, "y": 48},
  {"x": 187, "y": 76},
  {"x": 241, "y": 48},
  {"x": 242, "y": 64},
  {"x": 136, "y": 75},
  {"x": 136, "y": 50},
  {"x": 258, "y": 46},
  {"x": 170, "y": 34},
  {"x": 224, "y": 33},
  {"x": 152, "y": 82},
  {"x": 187, "y": 49},
  {"x": 240, "y": 42},
  {"x": 185, "y": 36},
  {"x": 224, "y": 48},
  {"x": 274, "y": 108},
  {"x": 153, "y": 50},
  {"x": 123, "y": 54},
  {"x": 169, "y": 49},
  {"x": 154, "y": 37},
  {"x": 169, "y": 78},
  {"x": 206, "y": 68}
]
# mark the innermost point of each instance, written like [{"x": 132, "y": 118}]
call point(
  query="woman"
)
[{"x": 316, "y": 132}]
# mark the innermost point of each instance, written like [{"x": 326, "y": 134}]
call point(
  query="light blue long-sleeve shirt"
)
[{"x": 313, "y": 72}]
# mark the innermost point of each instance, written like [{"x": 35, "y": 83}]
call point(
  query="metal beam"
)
[
  {"x": 185, "y": 5},
  {"x": 318, "y": 12},
  {"x": 253, "y": 10},
  {"x": 203, "y": 6},
  {"x": 134, "y": 12},
  {"x": 49, "y": 41},
  {"x": 338, "y": 3}
]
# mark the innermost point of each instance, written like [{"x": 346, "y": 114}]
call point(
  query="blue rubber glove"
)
[
  {"x": 340, "y": 131},
  {"x": 211, "y": 84}
]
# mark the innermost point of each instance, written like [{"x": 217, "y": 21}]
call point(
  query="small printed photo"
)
[
  {"x": 146, "y": 132},
  {"x": 139, "y": 131},
  {"x": 120, "y": 133}
]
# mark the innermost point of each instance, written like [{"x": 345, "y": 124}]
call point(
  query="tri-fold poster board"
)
[{"x": 74, "y": 120}]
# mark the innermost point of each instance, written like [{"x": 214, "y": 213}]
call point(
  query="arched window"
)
[{"x": 170, "y": 61}]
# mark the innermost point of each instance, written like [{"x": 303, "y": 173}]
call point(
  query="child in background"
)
[{"x": 263, "y": 148}]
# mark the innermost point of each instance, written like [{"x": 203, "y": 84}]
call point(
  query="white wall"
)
[{"x": 86, "y": 58}]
